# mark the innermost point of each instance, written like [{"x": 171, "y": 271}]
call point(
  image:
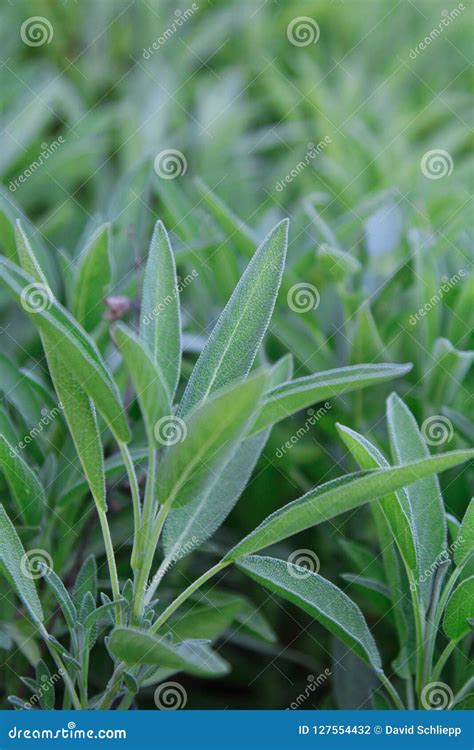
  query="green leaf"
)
[
  {"x": 160, "y": 319},
  {"x": 464, "y": 544},
  {"x": 62, "y": 596},
  {"x": 92, "y": 279},
  {"x": 86, "y": 582},
  {"x": 45, "y": 686},
  {"x": 148, "y": 380},
  {"x": 423, "y": 496},
  {"x": 395, "y": 506},
  {"x": 339, "y": 495},
  {"x": 208, "y": 438},
  {"x": 75, "y": 348},
  {"x": 136, "y": 646},
  {"x": 12, "y": 559},
  {"x": 459, "y": 610},
  {"x": 234, "y": 228},
  {"x": 78, "y": 407},
  {"x": 188, "y": 527},
  {"x": 233, "y": 344},
  {"x": 288, "y": 398},
  {"x": 320, "y": 598},
  {"x": 25, "y": 487},
  {"x": 203, "y": 620}
]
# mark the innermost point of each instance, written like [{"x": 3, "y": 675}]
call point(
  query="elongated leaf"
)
[
  {"x": 188, "y": 527},
  {"x": 234, "y": 228},
  {"x": 160, "y": 324},
  {"x": 424, "y": 496},
  {"x": 135, "y": 646},
  {"x": 62, "y": 597},
  {"x": 395, "y": 506},
  {"x": 78, "y": 407},
  {"x": 86, "y": 582},
  {"x": 338, "y": 496},
  {"x": 320, "y": 598},
  {"x": 459, "y": 610},
  {"x": 202, "y": 620},
  {"x": 75, "y": 348},
  {"x": 465, "y": 539},
  {"x": 210, "y": 436},
  {"x": 45, "y": 686},
  {"x": 12, "y": 559},
  {"x": 25, "y": 487},
  {"x": 288, "y": 398},
  {"x": 148, "y": 380},
  {"x": 237, "y": 335},
  {"x": 92, "y": 279}
]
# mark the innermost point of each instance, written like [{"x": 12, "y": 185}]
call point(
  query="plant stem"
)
[
  {"x": 61, "y": 669},
  {"x": 419, "y": 628},
  {"x": 109, "y": 551},
  {"x": 112, "y": 688},
  {"x": 146, "y": 546},
  {"x": 443, "y": 659},
  {"x": 187, "y": 593},
  {"x": 135, "y": 491},
  {"x": 391, "y": 691},
  {"x": 435, "y": 623}
]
